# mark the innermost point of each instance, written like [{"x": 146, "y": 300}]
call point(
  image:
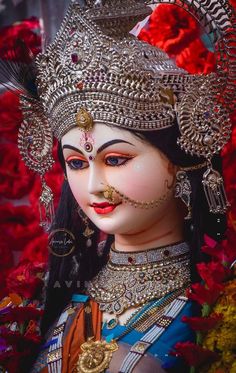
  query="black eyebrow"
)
[
  {"x": 112, "y": 142},
  {"x": 72, "y": 148},
  {"x": 104, "y": 146}
]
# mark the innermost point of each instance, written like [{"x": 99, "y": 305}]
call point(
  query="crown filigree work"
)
[{"x": 118, "y": 82}]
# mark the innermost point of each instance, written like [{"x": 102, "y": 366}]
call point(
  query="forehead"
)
[{"x": 100, "y": 133}]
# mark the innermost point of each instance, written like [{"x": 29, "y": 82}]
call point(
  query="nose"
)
[{"x": 96, "y": 183}]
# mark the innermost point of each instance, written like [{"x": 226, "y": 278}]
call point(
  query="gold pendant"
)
[{"x": 96, "y": 356}]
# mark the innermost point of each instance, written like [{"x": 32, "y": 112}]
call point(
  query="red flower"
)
[
  {"x": 213, "y": 272},
  {"x": 28, "y": 31},
  {"x": 36, "y": 250},
  {"x": 224, "y": 251},
  {"x": 10, "y": 116},
  {"x": 202, "y": 323},
  {"x": 17, "y": 339},
  {"x": 26, "y": 279},
  {"x": 203, "y": 295},
  {"x": 196, "y": 58},
  {"x": 233, "y": 3},
  {"x": 21, "y": 314},
  {"x": 11, "y": 360},
  {"x": 19, "y": 225},
  {"x": 171, "y": 28},
  {"x": 194, "y": 354},
  {"x": 16, "y": 179},
  {"x": 7, "y": 262}
]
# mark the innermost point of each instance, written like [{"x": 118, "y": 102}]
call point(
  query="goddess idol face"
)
[{"x": 138, "y": 172}]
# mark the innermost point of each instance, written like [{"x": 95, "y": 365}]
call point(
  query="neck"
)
[{"x": 167, "y": 230}]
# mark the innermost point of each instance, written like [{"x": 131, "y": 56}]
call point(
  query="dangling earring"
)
[
  {"x": 88, "y": 232},
  {"x": 183, "y": 191}
]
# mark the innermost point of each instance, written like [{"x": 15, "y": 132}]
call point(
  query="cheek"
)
[
  {"x": 78, "y": 186},
  {"x": 143, "y": 179}
]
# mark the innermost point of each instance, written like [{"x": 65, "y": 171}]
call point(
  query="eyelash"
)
[{"x": 73, "y": 167}]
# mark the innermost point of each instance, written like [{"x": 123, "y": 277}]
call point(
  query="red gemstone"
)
[
  {"x": 130, "y": 259},
  {"x": 80, "y": 85},
  {"x": 166, "y": 252},
  {"x": 74, "y": 58}
]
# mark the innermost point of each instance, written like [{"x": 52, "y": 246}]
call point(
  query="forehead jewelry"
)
[
  {"x": 113, "y": 195},
  {"x": 87, "y": 142}
]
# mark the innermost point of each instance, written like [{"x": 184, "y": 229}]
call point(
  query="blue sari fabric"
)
[{"x": 176, "y": 332}]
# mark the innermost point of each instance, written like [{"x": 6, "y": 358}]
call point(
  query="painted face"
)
[{"x": 133, "y": 167}]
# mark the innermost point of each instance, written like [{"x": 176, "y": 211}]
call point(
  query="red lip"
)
[
  {"x": 104, "y": 207},
  {"x": 102, "y": 204}
]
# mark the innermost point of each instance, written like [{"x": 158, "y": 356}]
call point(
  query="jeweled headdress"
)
[{"x": 96, "y": 72}]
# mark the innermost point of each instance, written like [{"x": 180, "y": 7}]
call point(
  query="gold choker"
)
[{"x": 132, "y": 279}]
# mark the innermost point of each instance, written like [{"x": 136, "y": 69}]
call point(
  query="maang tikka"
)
[{"x": 88, "y": 232}]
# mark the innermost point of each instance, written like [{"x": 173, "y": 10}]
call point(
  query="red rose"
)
[
  {"x": 10, "y": 360},
  {"x": 21, "y": 314},
  {"x": 28, "y": 32},
  {"x": 10, "y": 116},
  {"x": 36, "y": 250},
  {"x": 171, "y": 28},
  {"x": 26, "y": 279},
  {"x": 196, "y": 58},
  {"x": 233, "y": 3},
  {"x": 193, "y": 354},
  {"x": 16, "y": 178},
  {"x": 203, "y": 295},
  {"x": 213, "y": 272},
  {"x": 17, "y": 339},
  {"x": 7, "y": 262},
  {"x": 225, "y": 250},
  {"x": 19, "y": 225},
  {"x": 202, "y": 323}
]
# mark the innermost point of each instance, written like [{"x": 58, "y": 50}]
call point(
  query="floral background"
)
[{"x": 23, "y": 244}]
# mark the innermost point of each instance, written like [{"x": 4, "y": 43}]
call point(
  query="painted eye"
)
[
  {"x": 77, "y": 164},
  {"x": 116, "y": 161}
]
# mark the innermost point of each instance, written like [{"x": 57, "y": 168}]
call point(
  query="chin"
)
[{"x": 109, "y": 226}]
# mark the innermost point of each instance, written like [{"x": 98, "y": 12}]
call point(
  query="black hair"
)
[{"x": 90, "y": 261}]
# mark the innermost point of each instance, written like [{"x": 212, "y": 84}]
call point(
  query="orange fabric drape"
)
[{"x": 75, "y": 337}]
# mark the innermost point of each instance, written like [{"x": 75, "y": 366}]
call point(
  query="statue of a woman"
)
[{"x": 138, "y": 143}]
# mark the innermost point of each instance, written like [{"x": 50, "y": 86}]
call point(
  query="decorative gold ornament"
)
[
  {"x": 96, "y": 356},
  {"x": 84, "y": 120},
  {"x": 88, "y": 232},
  {"x": 114, "y": 196}
]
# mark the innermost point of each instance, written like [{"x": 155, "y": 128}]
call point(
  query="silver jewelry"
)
[
  {"x": 183, "y": 190},
  {"x": 118, "y": 287}
]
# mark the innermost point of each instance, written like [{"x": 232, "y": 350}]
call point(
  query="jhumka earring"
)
[
  {"x": 88, "y": 232},
  {"x": 183, "y": 191}
]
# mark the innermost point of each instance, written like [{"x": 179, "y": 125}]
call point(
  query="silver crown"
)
[{"x": 125, "y": 82}]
